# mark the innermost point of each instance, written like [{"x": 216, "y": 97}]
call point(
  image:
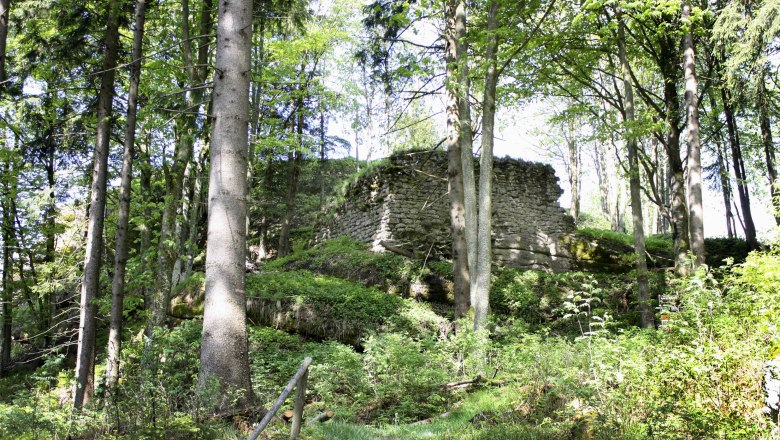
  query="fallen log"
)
[
  {"x": 287, "y": 415},
  {"x": 321, "y": 417},
  {"x": 464, "y": 383},
  {"x": 397, "y": 250}
]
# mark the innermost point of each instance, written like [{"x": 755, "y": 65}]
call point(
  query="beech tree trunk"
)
[
  {"x": 574, "y": 172},
  {"x": 224, "y": 357},
  {"x": 85, "y": 359},
  {"x": 739, "y": 172},
  {"x": 466, "y": 142},
  {"x": 455, "y": 167},
  {"x": 643, "y": 286},
  {"x": 481, "y": 295},
  {"x": 120, "y": 259},
  {"x": 695, "y": 201}
]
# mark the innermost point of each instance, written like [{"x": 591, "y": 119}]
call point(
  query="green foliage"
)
[{"x": 351, "y": 260}]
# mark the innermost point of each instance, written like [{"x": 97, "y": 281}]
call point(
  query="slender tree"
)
[
  {"x": 121, "y": 251},
  {"x": 643, "y": 287},
  {"x": 85, "y": 359},
  {"x": 694, "y": 179},
  {"x": 224, "y": 351},
  {"x": 455, "y": 165},
  {"x": 481, "y": 296}
]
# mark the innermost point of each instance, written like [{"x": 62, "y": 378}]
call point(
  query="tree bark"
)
[
  {"x": 723, "y": 175},
  {"x": 455, "y": 168},
  {"x": 739, "y": 172},
  {"x": 643, "y": 286},
  {"x": 85, "y": 359},
  {"x": 769, "y": 145},
  {"x": 294, "y": 168},
  {"x": 484, "y": 258},
  {"x": 167, "y": 245},
  {"x": 695, "y": 201},
  {"x": 7, "y": 294},
  {"x": 224, "y": 351},
  {"x": 677, "y": 181},
  {"x": 120, "y": 259},
  {"x": 466, "y": 147},
  {"x": 574, "y": 172}
]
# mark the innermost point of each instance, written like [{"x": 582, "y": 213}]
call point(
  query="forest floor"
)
[{"x": 562, "y": 358}]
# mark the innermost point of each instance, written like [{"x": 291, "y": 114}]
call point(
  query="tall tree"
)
[
  {"x": 455, "y": 164},
  {"x": 694, "y": 179},
  {"x": 643, "y": 286},
  {"x": 122, "y": 245},
  {"x": 224, "y": 351},
  {"x": 85, "y": 359},
  {"x": 484, "y": 258}
]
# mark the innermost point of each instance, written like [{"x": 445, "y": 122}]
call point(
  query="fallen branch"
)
[
  {"x": 464, "y": 383},
  {"x": 397, "y": 250},
  {"x": 321, "y": 417}
]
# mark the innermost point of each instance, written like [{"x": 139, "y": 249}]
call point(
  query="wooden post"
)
[
  {"x": 303, "y": 370},
  {"x": 300, "y": 401}
]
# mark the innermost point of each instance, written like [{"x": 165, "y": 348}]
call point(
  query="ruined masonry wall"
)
[{"x": 404, "y": 203}]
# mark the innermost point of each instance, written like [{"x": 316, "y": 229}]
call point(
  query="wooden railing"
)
[{"x": 298, "y": 381}]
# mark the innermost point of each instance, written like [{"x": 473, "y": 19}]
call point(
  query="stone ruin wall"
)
[{"x": 404, "y": 204}]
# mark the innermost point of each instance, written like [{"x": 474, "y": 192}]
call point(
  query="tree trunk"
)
[
  {"x": 5, "y": 6},
  {"x": 167, "y": 245},
  {"x": 677, "y": 181},
  {"x": 7, "y": 295},
  {"x": 481, "y": 295},
  {"x": 695, "y": 201},
  {"x": 294, "y": 169},
  {"x": 120, "y": 259},
  {"x": 224, "y": 357},
  {"x": 723, "y": 175},
  {"x": 294, "y": 165},
  {"x": 574, "y": 173},
  {"x": 739, "y": 173},
  {"x": 194, "y": 214},
  {"x": 85, "y": 359},
  {"x": 643, "y": 286},
  {"x": 146, "y": 229},
  {"x": 455, "y": 168},
  {"x": 465, "y": 135},
  {"x": 769, "y": 145}
]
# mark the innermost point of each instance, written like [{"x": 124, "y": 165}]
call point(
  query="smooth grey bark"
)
[
  {"x": 120, "y": 258},
  {"x": 768, "y": 144},
  {"x": 466, "y": 141},
  {"x": 481, "y": 294},
  {"x": 455, "y": 168},
  {"x": 85, "y": 358},
  {"x": 167, "y": 248},
  {"x": 224, "y": 356},
  {"x": 739, "y": 172},
  {"x": 694, "y": 179},
  {"x": 643, "y": 286}
]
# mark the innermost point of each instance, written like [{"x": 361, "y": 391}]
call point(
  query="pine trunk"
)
[
  {"x": 769, "y": 145},
  {"x": 224, "y": 357}
]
